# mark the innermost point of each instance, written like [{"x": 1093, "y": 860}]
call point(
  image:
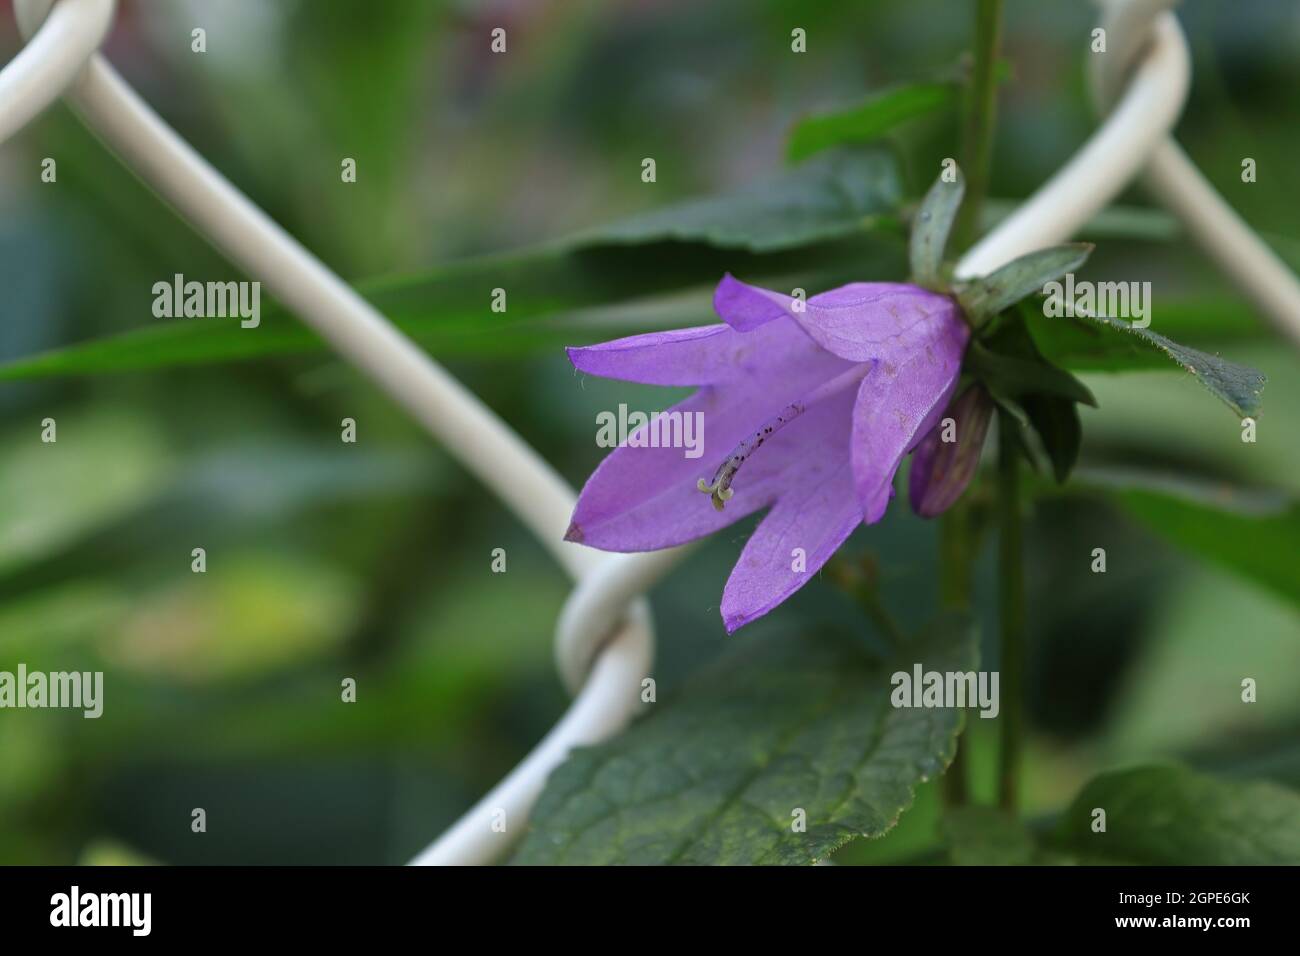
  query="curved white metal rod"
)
[
  {"x": 1216, "y": 227},
  {"x": 356, "y": 330},
  {"x": 473, "y": 433},
  {"x": 598, "y": 602},
  {"x": 1257, "y": 271},
  {"x": 1104, "y": 165},
  {"x": 615, "y": 678},
  {"x": 58, "y": 51}
]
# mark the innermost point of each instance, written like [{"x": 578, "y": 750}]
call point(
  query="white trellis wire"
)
[{"x": 604, "y": 637}]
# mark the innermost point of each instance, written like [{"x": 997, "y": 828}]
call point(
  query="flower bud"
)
[{"x": 941, "y": 470}]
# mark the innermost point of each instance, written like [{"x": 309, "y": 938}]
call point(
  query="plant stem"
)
[
  {"x": 980, "y": 118},
  {"x": 860, "y": 583},
  {"x": 955, "y": 556},
  {"x": 1011, "y": 610},
  {"x": 956, "y": 548}
]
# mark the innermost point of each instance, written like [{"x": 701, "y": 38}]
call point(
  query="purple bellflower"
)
[{"x": 808, "y": 407}]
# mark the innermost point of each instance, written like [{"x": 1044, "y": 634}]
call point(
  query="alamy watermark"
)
[
  {"x": 922, "y": 688},
  {"x": 208, "y": 300},
  {"x": 673, "y": 429},
  {"x": 1116, "y": 300},
  {"x": 75, "y": 909},
  {"x": 77, "y": 690}
]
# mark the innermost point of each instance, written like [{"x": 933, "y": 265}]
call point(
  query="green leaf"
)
[
  {"x": 1173, "y": 816},
  {"x": 1056, "y": 420},
  {"x": 1250, "y": 532},
  {"x": 931, "y": 227},
  {"x": 716, "y": 775},
  {"x": 1008, "y": 360},
  {"x": 1033, "y": 392},
  {"x": 870, "y": 119},
  {"x": 983, "y": 836},
  {"x": 809, "y": 223},
  {"x": 1016, "y": 377},
  {"x": 1238, "y": 386},
  {"x": 987, "y": 296},
  {"x": 1010, "y": 406},
  {"x": 1082, "y": 345},
  {"x": 1114, "y": 222},
  {"x": 834, "y": 195},
  {"x": 1013, "y": 417}
]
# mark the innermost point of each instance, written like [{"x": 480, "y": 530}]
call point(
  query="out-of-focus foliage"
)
[
  {"x": 373, "y": 560},
  {"x": 1171, "y": 816}
]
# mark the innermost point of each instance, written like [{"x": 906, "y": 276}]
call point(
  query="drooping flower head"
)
[{"x": 808, "y": 409}]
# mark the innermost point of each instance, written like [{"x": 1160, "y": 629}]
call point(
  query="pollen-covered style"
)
[{"x": 809, "y": 408}]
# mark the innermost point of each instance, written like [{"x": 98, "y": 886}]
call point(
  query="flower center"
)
[{"x": 719, "y": 489}]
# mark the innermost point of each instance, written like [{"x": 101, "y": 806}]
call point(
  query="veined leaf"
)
[
  {"x": 1237, "y": 386},
  {"x": 870, "y": 119},
  {"x": 721, "y": 774},
  {"x": 1081, "y": 345},
  {"x": 1173, "y": 816}
]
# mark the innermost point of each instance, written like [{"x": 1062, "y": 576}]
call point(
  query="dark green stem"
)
[
  {"x": 955, "y": 557},
  {"x": 859, "y": 582},
  {"x": 1011, "y": 610},
  {"x": 980, "y": 118},
  {"x": 881, "y": 617}
]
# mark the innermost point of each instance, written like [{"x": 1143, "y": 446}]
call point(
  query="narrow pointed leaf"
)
[
  {"x": 1082, "y": 344},
  {"x": 1139, "y": 223},
  {"x": 931, "y": 228},
  {"x": 1087, "y": 341},
  {"x": 811, "y": 226},
  {"x": 1056, "y": 420},
  {"x": 1020, "y": 278},
  {"x": 1238, "y": 386},
  {"x": 1017, "y": 377},
  {"x": 836, "y": 194},
  {"x": 1012, "y": 416},
  {"x": 869, "y": 120}
]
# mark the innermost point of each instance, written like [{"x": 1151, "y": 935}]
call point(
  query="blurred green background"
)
[{"x": 372, "y": 560}]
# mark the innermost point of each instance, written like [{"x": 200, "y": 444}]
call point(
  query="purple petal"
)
[
  {"x": 898, "y": 403},
  {"x": 859, "y": 322},
  {"x": 705, "y": 355},
  {"x": 816, "y": 515},
  {"x": 941, "y": 470},
  {"x": 642, "y": 499},
  {"x": 745, "y": 307}
]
